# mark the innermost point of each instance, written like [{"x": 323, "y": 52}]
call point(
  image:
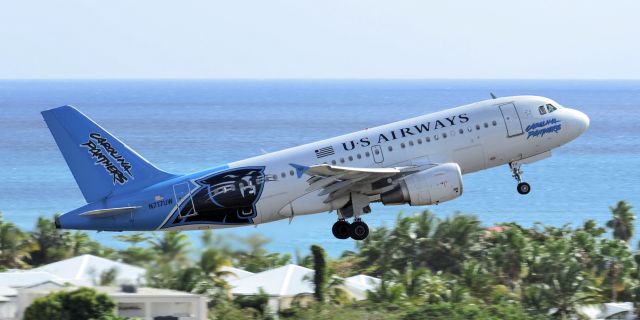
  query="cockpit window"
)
[
  {"x": 542, "y": 110},
  {"x": 551, "y": 108}
]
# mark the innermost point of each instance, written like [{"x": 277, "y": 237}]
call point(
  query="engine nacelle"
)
[{"x": 432, "y": 186}]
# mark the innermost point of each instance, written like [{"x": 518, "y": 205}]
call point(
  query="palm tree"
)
[
  {"x": 622, "y": 221},
  {"x": 257, "y": 258},
  {"x": 171, "y": 247},
  {"x": 52, "y": 244},
  {"x": 558, "y": 280},
  {"x": 510, "y": 251},
  {"x": 320, "y": 274},
  {"x": 135, "y": 254},
  {"x": 133, "y": 239},
  {"x": 455, "y": 240},
  {"x": 211, "y": 262},
  {"x": 15, "y": 246},
  {"x": 616, "y": 264}
]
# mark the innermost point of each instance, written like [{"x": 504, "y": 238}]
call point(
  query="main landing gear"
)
[
  {"x": 523, "y": 187},
  {"x": 358, "y": 230},
  {"x": 358, "y": 204}
]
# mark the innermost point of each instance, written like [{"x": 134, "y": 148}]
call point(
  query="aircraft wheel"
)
[
  {"x": 523, "y": 188},
  {"x": 359, "y": 230},
  {"x": 341, "y": 229}
]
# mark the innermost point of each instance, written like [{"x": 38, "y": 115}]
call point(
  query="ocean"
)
[{"x": 188, "y": 125}]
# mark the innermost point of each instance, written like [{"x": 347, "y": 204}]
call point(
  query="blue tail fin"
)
[{"x": 101, "y": 164}]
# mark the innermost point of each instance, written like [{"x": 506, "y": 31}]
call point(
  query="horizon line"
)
[{"x": 316, "y": 79}]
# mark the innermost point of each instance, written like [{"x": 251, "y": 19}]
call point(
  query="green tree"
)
[
  {"x": 257, "y": 304},
  {"x": 135, "y": 253},
  {"x": 622, "y": 221},
  {"x": 52, "y": 244},
  {"x": 82, "y": 303},
  {"x": 15, "y": 246},
  {"x": 615, "y": 262},
  {"x": 108, "y": 277},
  {"x": 256, "y": 258},
  {"x": 320, "y": 272},
  {"x": 558, "y": 281},
  {"x": 455, "y": 240},
  {"x": 211, "y": 263},
  {"x": 170, "y": 248},
  {"x": 509, "y": 250}
]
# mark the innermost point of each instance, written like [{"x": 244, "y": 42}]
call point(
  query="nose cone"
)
[{"x": 581, "y": 121}]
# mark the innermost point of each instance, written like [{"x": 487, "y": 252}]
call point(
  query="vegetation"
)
[
  {"x": 83, "y": 303},
  {"x": 449, "y": 268}
]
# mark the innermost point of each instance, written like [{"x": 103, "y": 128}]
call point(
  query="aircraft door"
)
[
  {"x": 511, "y": 119},
  {"x": 182, "y": 194},
  {"x": 378, "y": 157}
]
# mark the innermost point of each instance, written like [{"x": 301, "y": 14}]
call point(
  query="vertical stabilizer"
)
[{"x": 101, "y": 164}]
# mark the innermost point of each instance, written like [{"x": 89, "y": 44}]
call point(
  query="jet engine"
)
[{"x": 432, "y": 186}]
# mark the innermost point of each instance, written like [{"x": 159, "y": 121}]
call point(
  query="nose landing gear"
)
[{"x": 523, "y": 187}]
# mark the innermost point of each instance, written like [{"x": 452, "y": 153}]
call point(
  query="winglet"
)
[
  {"x": 300, "y": 169},
  {"x": 493, "y": 96}
]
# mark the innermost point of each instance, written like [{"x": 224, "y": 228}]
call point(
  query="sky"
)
[{"x": 355, "y": 39}]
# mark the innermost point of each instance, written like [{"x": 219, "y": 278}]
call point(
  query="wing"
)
[{"x": 337, "y": 181}]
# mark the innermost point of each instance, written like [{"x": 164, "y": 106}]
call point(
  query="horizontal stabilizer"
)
[{"x": 109, "y": 212}]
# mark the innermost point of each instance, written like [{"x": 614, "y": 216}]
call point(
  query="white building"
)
[
  {"x": 292, "y": 282},
  {"x": 144, "y": 303},
  {"x": 611, "y": 310},
  {"x": 8, "y": 306},
  {"x": 283, "y": 285},
  {"x": 18, "y": 289},
  {"x": 358, "y": 285}
]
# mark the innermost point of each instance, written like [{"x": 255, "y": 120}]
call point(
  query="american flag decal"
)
[{"x": 326, "y": 151}]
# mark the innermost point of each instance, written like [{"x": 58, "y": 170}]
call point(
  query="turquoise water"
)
[{"x": 184, "y": 126}]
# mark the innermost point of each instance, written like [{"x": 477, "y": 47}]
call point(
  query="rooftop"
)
[
  {"x": 288, "y": 280},
  {"x": 86, "y": 270}
]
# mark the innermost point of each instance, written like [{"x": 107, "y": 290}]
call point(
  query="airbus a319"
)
[{"x": 418, "y": 161}]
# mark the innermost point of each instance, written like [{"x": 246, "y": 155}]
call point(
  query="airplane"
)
[{"x": 418, "y": 161}]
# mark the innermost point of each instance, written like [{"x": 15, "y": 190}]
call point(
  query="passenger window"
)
[
  {"x": 542, "y": 110},
  {"x": 494, "y": 123},
  {"x": 427, "y": 139},
  {"x": 367, "y": 154},
  {"x": 283, "y": 175},
  {"x": 341, "y": 160},
  {"x": 359, "y": 156},
  {"x": 444, "y": 134},
  {"x": 333, "y": 162},
  {"x": 390, "y": 148},
  {"x": 291, "y": 173},
  {"x": 411, "y": 143},
  {"x": 486, "y": 125},
  {"x": 477, "y": 127},
  {"x": 551, "y": 108},
  {"x": 350, "y": 158},
  {"x": 461, "y": 131},
  {"x": 402, "y": 145},
  {"x": 419, "y": 140}
]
